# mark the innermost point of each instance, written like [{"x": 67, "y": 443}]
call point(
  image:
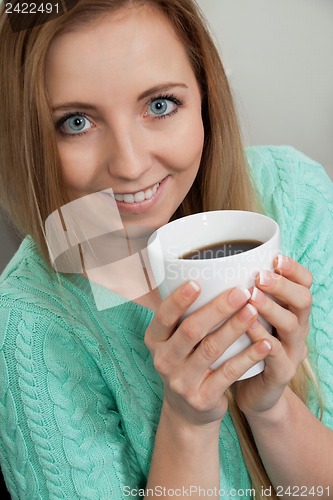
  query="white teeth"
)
[
  {"x": 128, "y": 198},
  {"x": 148, "y": 194},
  {"x": 139, "y": 196}
]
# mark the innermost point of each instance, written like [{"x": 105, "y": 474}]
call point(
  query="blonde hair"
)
[{"x": 31, "y": 184}]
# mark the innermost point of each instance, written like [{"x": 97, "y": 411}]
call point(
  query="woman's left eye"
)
[
  {"x": 74, "y": 124},
  {"x": 163, "y": 106}
]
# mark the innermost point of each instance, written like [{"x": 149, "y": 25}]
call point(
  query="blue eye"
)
[
  {"x": 73, "y": 124},
  {"x": 163, "y": 106}
]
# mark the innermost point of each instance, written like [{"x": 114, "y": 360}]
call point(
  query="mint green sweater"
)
[{"x": 79, "y": 397}]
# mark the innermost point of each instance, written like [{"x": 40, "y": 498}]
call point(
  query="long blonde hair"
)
[{"x": 31, "y": 184}]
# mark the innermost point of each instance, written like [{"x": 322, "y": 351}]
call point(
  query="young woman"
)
[{"x": 120, "y": 401}]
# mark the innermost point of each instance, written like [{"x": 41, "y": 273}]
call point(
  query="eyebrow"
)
[
  {"x": 160, "y": 88},
  {"x": 89, "y": 107},
  {"x": 72, "y": 105}
]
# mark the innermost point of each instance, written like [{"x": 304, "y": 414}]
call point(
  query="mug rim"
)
[{"x": 248, "y": 213}]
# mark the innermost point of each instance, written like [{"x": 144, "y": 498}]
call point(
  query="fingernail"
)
[
  {"x": 248, "y": 312},
  {"x": 283, "y": 262},
  {"x": 238, "y": 296},
  {"x": 257, "y": 296},
  {"x": 190, "y": 289},
  {"x": 279, "y": 263},
  {"x": 263, "y": 346},
  {"x": 268, "y": 345},
  {"x": 266, "y": 278}
]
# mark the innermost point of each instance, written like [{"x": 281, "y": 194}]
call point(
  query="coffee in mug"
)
[{"x": 222, "y": 249}]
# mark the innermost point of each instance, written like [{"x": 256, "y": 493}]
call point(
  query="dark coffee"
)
[{"x": 222, "y": 249}]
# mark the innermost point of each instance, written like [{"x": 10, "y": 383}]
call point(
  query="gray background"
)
[{"x": 279, "y": 58}]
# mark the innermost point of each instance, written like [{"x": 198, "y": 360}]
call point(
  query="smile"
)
[
  {"x": 138, "y": 197},
  {"x": 141, "y": 201}
]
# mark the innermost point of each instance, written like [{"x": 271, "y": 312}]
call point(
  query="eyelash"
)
[{"x": 169, "y": 97}]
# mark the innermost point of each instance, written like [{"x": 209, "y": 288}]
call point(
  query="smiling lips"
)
[{"x": 138, "y": 197}]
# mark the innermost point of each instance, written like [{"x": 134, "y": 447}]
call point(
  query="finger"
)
[
  {"x": 170, "y": 311},
  {"x": 297, "y": 297},
  {"x": 215, "y": 344},
  {"x": 282, "y": 319},
  {"x": 196, "y": 326},
  {"x": 292, "y": 270},
  {"x": 228, "y": 373},
  {"x": 278, "y": 366},
  {"x": 290, "y": 333}
]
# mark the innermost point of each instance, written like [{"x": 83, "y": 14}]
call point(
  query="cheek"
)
[
  {"x": 77, "y": 165},
  {"x": 186, "y": 144}
]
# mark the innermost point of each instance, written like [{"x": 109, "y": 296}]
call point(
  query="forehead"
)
[{"x": 133, "y": 41}]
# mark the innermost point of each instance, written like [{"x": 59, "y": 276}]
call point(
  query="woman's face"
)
[{"x": 127, "y": 111}]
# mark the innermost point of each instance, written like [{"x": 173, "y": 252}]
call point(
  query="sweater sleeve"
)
[
  {"x": 298, "y": 194},
  {"x": 62, "y": 436},
  {"x": 313, "y": 247}
]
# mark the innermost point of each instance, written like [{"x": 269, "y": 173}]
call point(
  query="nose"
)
[{"x": 129, "y": 154}]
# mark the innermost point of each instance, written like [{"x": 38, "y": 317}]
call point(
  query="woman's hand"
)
[
  {"x": 289, "y": 315},
  {"x": 183, "y": 352}
]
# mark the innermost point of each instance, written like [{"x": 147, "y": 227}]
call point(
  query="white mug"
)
[{"x": 167, "y": 246}]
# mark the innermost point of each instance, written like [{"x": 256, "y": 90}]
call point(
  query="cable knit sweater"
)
[{"x": 79, "y": 397}]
